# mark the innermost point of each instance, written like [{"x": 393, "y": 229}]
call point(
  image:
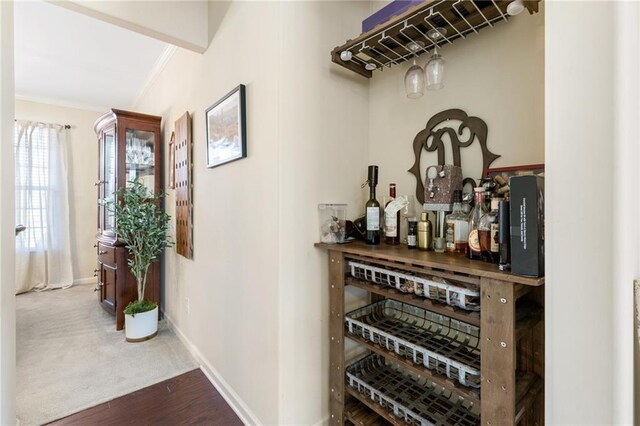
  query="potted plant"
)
[{"x": 141, "y": 224}]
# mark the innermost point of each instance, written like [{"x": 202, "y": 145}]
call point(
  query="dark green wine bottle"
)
[{"x": 373, "y": 208}]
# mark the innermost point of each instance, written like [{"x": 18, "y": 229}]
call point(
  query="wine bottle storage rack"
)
[
  {"x": 444, "y": 291},
  {"x": 510, "y": 325},
  {"x": 408, "y": 398},
  {"x": 440, "y": 343}
]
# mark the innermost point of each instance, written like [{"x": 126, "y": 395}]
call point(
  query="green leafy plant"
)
[
  {"x": 138, "y": 307},
  {"x": 142, "y": 225}
]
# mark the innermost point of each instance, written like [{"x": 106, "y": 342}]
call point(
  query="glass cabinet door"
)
[
  {"x": 109, "y": 183},
  {"x": 140, "y": 157}
]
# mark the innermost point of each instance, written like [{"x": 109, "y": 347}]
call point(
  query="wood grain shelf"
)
[
  {"x": 359, "y": 414},
  {"x": 527, "y": 401},
  {"x": 429, "y": 261},
  {"x": 375, "y": 407},
  {"x": 386, "y": 44}
]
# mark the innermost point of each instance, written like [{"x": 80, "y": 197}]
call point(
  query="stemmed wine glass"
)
[
  {"x": 414, "y": 78},
  {"x": 434, "y": 68}
]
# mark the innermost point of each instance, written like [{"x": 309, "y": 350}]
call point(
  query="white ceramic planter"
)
[{"x": 142, "y": 326}]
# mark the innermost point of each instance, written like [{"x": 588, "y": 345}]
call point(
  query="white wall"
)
[
  {"x": 232, "y": 282},
  {"x": 257, "y": 287},
  {"x": 7, "y": 224},
  {"x": 579, "y": 156},
  {"x": 182, "y": 23},
  {"x": 626, "y": 207},
  {"x": 323, "y": 159},
  {"x": 83, "y": 172},
  {"x": 496, "y": 75}
]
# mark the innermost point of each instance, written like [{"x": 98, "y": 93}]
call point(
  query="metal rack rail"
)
[
  {"x": 388, "y": 44},
  {"x": 446, "y": 345},
  {"x": 411, "y": 399}
]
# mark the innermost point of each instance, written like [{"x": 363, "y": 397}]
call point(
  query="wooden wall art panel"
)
[
  {"x": 183, "y": 185},
  {"x": 434, "y": 138},
  {"x": 172, "y": 161}
]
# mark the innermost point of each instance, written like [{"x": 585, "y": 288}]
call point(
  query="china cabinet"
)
[{"x": 129, "y": 149}]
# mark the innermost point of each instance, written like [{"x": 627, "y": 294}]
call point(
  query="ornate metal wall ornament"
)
[{"x": 431, "y": 139}]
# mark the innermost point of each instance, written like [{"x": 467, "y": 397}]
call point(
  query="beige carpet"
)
[{"x": 70, "y": 356}]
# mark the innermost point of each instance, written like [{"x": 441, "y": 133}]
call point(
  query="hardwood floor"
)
[{"x": 188, "y": 399}]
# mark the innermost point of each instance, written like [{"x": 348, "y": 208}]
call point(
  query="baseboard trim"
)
[
  {"x": 82, "y": 281},
  {"x": 324, "y": 421},
  {"x": 227, "y": 392}
]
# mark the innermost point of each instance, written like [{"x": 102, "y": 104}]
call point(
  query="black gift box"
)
[{"x": 527, "y": 225}]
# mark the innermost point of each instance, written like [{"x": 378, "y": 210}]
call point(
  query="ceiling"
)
[{"x": 66, "y": 58}]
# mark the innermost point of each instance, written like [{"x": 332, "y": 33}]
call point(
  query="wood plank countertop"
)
[{"x": 431, "y": 260}]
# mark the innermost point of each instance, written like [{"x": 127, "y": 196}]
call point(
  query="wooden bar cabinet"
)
[{"x": 500, "y": 317}]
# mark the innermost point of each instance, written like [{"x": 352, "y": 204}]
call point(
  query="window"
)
[{"x": 32, "y": 182}]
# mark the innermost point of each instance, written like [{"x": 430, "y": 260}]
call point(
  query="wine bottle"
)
[
  {"x": 373, "y": 208},
  {"x": 478, "y": 211},
  {"x": 412, "y": 233},
  {"x": 504, "y": 235},
  {"x": 488, "y": 233},
  {"x": 391, "y": 221}
]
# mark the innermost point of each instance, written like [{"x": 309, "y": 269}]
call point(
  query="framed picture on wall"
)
[{"x": 227, "y": 128}]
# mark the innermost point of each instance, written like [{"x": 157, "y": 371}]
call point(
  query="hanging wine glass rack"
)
[{"x": 387, "y": 44}]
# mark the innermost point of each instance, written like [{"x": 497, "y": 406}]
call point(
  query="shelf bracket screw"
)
[
  {"x": 503, "y": 300},
  {"x": 503, "y": 344}
]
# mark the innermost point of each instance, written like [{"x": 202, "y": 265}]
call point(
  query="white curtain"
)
[{"x": 43, "y": 250}]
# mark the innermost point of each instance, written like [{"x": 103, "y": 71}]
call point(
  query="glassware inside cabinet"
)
[
  {"x": 109, "y": 183},
  {"x": 139, "y": 157}
]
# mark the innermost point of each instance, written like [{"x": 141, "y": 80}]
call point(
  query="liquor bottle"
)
[
  {"x": 474, "y": 221},
  {"x": 457, "y": 227},
  {"x": 504, "y": 236},
  {"x": 412, "y": 233},
  {"x": 424, "y": 232},
  {"x": 373, "y": 208},
  {"x": 391, "y": 221},
  {"x": 488, "y": 233}
]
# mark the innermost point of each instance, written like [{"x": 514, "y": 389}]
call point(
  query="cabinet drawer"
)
[{"x": 107, "y": 255}]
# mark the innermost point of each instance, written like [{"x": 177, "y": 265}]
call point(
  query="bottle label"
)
[
  {"x": 411, "y": 240},
  {"x": 390, "y": 225},
  {"x": 450, "y": 234},
  {"x": 373, "y": 218},
  {"x": 474, "y": 240},
  {"x": 495, "y": 246},
  {"x": 462, "y": 231}
]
